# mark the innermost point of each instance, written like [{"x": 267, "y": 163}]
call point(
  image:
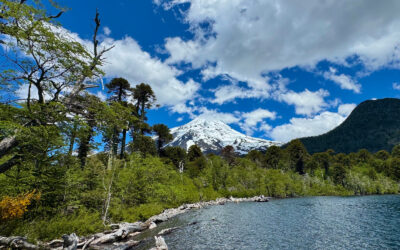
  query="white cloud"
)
[
  {"x": 254, "y": 120},
  {"x": 306, "y": 102},
  {"x": 107, "y": 31},
  {"x": 129, "y": 61},
  {"x": 346, "y": 109},
  {"x": 319, "y": 124},
  {"x": 22, "y": 93},
  {"x": 208, "y": 114},
  {"x": 344, "y": 81},
  {"x": 101, "y": 96},
  {"x": 396, "y": 86},
  {"x": 229, "y": 93},
  {"x": 246, "y": 39}
]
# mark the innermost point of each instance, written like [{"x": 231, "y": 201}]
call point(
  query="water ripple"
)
[{"x": 369, "y": 222}]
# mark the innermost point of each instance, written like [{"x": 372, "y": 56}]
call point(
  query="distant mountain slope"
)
[
  {"x": 211, "y": 136},
  {"x": 373, "y": 125}
]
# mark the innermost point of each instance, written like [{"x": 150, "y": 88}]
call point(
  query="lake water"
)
[{"x": 367, "y": 222}]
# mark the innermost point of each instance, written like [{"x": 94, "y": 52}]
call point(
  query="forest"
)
[{"x": 57, "y": 178}]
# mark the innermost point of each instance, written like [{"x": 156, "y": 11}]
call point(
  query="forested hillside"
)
[{"x": 373, "y": 125}]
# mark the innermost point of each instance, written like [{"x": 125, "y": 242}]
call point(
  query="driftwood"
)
[
  {"x": 16, "y": 242},
  {"x": 121, "y": 233},
  {"x": 125, "y": 245},
  {"x": 167, "y": 231}
]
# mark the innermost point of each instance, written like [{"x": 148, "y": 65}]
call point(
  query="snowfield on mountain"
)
[{"x": 212, "y": 135}]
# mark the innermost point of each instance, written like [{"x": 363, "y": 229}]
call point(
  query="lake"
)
[{"x": 366, "y": 222}]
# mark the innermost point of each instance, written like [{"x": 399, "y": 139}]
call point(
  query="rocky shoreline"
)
[{"x": 120, "y": 236}]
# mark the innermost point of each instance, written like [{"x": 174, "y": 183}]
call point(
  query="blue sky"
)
[{"x": 270, "y": 69}]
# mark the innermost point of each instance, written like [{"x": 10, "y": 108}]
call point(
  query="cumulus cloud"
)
[
  {"x": 213, "y": 114},
  {"x": 101, "y": 96},
  {"x": 229, "y": 93},
  {"x": 129, "y": 61},
  {"x": 344, "y": 81},
  {"x": 255, "y": 120},
  {"x": 346, "y": 109},
  {"x": 319, "y": 124},
  {"x": 306, "y": 102},
  {"x": 245, "y": 39}
]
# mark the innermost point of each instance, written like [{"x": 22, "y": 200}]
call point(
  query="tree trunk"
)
[
  {"x": 40, "y": 93},
  {"x": 7, "y": 144},
  {"x": 9, "y": 164},
  {"x": 85, "y": 145},
  {"x": 123, "y": 142},
  {"x": 72, "y": 140}
]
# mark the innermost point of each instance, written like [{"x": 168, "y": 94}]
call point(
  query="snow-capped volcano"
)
[{"x": 212, "y": 135}]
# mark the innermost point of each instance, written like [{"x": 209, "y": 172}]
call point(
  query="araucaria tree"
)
[
  {"x": 121, "y": 90},
  {"x": 145, "y": 98},
  {"x": 163, "y": 134}
]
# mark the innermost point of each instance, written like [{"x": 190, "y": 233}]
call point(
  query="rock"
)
[
  {"x": 160, "y": 244},
  {"x": 261, "y": 198},
  {"x": 168, "y": 230},
  {"x": 70, "y": 241},
  {"x": 152, "y": 225}
]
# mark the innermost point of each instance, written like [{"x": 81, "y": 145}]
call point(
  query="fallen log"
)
[
  {"x": 16, "y": 242},
  {"x": 124, "y": 230}
]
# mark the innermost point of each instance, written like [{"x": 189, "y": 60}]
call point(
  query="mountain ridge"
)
[{"x": 373, "y": 125}]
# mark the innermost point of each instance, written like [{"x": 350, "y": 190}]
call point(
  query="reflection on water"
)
[{"x": 368, "y": 222}]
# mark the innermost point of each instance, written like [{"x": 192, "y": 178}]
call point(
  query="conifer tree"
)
[
  {"x": 194, "y": 152},
  {"x": 144, "y": 96},
  {"x": 297, "y": 155},
  {"x": 164, "y": 135},
  {"x": 121, "y": 90}
]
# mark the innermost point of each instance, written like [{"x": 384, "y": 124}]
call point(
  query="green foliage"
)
[
  {"x": 297, "y": 156},
  {"x": 163, "y": 134},
  {"x": 143, "y": 144},
  {"x": 176, "y": 155},
  {"x": 82, "y": 223},
  {"x": 382, "y": 155},
  {"x": 272, "y": 157},
  {"x": 194, "y": 152},
  {"x": 396, "y": 151}
]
